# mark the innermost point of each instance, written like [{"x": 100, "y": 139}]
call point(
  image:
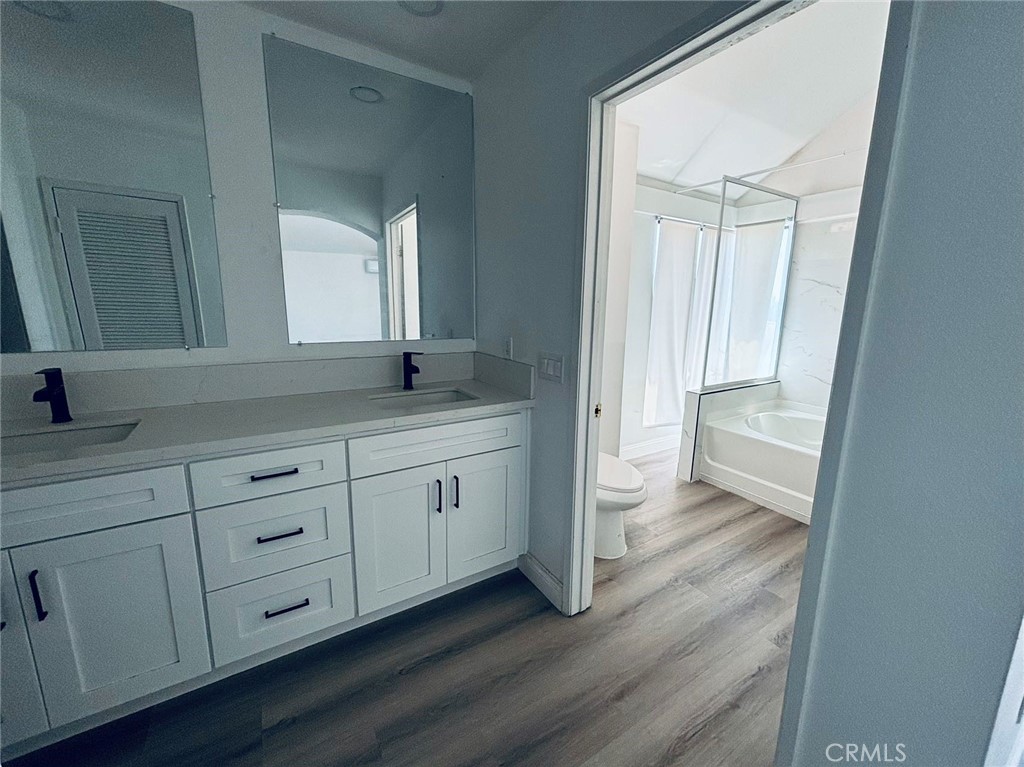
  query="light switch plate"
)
[{"x": 551, "y": 366}]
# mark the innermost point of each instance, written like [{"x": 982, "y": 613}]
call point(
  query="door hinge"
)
[
  {"x": 597, "y": 410},
  {"x": 58, "y": 225}
]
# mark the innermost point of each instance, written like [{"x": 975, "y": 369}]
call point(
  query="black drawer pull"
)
[
  {"x": 269, "y": 538},
  {"x": 3, "y": 625},
  {"x": 439, "y": 486},
  {"x": 40, "y": 612},
  {"x": 274, "y": 475},
  {"x": 457, "y": 494},
  {"x": 267, "y": 615}
]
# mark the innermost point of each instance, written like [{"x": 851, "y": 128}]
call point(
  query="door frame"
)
[{"x": 396, "y": 270}]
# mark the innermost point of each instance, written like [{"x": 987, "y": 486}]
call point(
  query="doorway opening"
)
[
  {"x": 723, "y": 198},
  {"x": 404, "y": 274}
]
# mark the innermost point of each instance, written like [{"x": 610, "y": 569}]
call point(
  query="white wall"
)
[
  {"x": 531, "y": 128},
  {"x": 229, "y": 49},
  {"x": 616, "y": 306},
  {"x": 912, "y": 592}
]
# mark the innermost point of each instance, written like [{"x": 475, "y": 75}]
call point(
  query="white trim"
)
[
  {"x": 546, "y": 583},
  {"x": 650, "y": 447},
  {"x": 1006, "y": 746}
]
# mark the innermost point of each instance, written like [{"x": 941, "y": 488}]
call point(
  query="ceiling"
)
[
  {"x": 315, "y": 121},
  {"x": 132, "y": 62},
  {"x": 460, "y": 40},
  {"x": 801, "y": 89}
]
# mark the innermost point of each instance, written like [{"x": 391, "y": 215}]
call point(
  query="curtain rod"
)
[{"x": 692, "y": 221}]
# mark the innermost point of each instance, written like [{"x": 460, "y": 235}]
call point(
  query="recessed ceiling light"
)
[
  {"x": 366, "y": 95},
  {"x": 422, "y": 9},
  {"x": 54, "y": 10}
]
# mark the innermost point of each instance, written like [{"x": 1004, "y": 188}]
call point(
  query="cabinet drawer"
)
[
  {"x": 255, "y": 616},
  {"x": 417, "y": 447},
  {"x": 244, "y": 477},
  {"x": 257, "y": 538},
  {"x": 83, "y": 505}
]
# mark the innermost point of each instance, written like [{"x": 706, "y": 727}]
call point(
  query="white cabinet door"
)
[
  {"x": 113, "y": 615},
  {"x": 485, "y": 509},
  {"x": 21, "y": 702},
  {"x": 398, "y": 532}
]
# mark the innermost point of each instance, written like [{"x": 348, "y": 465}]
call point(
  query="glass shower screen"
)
[{"x": 753, "y": 251}]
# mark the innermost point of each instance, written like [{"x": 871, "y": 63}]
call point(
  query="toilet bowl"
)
[{"x": 619, "y": 487}]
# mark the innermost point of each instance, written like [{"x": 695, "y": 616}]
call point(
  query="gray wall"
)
[
  {"x": 437, "y": 171},
  {"x": 913, "y": 590},
  {"x": 531, "y": 127}
]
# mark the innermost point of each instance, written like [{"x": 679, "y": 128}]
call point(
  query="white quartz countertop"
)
[{"x": 183, "y": 432}]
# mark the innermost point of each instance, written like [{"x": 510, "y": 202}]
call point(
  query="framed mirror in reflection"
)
[
  {"x": 108, "y": 236},
  {"x": 374, "y": 175}
]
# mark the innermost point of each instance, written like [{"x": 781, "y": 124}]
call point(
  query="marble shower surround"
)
[{"x": 814, "y": 308}]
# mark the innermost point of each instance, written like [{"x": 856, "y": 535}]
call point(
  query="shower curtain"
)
[
  {"x": 675, "y": 250},
  {"x": 748, "y": 302}
]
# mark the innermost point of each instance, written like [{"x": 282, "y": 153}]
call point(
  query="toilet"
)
[{"x": 619, "y": 487}]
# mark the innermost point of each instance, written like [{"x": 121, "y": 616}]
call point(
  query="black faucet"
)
[
  {"x": 54, "y": 393},
  {"x": 408, "y": 368}
]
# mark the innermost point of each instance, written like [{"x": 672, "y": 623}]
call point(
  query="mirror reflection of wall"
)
[
  {"x": 374, "y": 175},
  {"x": 108, "y": 228}
]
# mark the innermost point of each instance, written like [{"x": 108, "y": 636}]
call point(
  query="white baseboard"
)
[
  {"x": 640, "y": 449},
  {"x": 546, "y": 583}
]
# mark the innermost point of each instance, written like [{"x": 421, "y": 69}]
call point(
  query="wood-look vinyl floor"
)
[{"x": 681, "y": 661}]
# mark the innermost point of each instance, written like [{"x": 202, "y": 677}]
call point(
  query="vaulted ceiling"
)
[{"x": 801, "y": 89}]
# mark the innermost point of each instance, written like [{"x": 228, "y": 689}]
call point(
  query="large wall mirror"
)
[
  {"x": 374, "y": 176},
  {"x": 108, "y": 237}
]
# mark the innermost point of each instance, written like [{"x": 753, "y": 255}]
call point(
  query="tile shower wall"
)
[{"x": 814, "y": 308}]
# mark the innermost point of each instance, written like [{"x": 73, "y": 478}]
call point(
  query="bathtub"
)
[{"x": 769, "y": 457}]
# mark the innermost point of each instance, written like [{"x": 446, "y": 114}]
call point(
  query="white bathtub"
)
[{"x": 770, "y": 457}]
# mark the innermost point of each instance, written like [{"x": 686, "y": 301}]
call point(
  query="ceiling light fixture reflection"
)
[
  {"x": 422, "y": 9},
  {"x": 366, "y": 94}
]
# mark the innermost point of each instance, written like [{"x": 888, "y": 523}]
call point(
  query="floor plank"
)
[{"x": 680, "y": 661}]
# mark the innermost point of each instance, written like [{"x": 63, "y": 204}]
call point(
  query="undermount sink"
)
[
  {"x": 66, "y": 438},
  {"x": 409, "y": 399}
]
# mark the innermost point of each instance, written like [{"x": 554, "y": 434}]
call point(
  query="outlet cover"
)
[{"x": 551, "y": 367}]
